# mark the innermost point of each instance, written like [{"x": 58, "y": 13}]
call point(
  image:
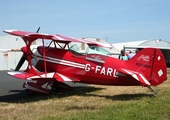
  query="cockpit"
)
[{"x": 93, "y": 53}]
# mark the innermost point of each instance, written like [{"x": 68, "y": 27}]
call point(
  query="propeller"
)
[
  {"x": 38, "y": 29},
  {"x": 20, "y": 63}
]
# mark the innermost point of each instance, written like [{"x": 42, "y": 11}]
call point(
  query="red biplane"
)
[{"x": 55, "y": 64}]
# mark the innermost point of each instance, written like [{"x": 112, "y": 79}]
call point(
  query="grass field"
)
[{"x": 93, "y": 103}]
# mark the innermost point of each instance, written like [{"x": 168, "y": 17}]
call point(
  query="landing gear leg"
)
[{"x": 152, "y": 90}]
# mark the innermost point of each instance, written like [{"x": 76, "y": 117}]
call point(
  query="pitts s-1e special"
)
[{"x": 55, "y": 64}]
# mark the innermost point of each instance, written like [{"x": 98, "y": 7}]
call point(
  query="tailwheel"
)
[{"x": 152, "y": 90}]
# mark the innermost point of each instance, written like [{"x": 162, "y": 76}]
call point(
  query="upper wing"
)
[
  {"x": 61, "y": 37},
  {"x": 16, "y": 32},
  {"x": 138, "y": 76},
  {"x": 57, "y": 37}
]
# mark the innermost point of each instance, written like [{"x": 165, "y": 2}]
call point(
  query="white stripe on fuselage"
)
[
  {"x": 37, "y": 57},
  {"x": 59, "y": 61}
]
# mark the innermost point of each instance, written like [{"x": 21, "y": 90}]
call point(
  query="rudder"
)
[{"x": 159, "y": 68}]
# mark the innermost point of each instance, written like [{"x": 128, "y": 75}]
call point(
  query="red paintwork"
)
[
  {"x": 55, "y": 66},
  {"x": 97, "y": 78}
]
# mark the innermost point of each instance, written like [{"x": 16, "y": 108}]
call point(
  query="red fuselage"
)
[{"x": 103, "y": 70}]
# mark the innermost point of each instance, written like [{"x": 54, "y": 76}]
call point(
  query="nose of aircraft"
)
[{"x": 24, "y": 49}]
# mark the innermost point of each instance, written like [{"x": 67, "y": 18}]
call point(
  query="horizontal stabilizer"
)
[{"x": 138, "y": 76}]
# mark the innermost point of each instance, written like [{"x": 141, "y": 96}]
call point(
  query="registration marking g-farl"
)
[{"x": 101, "y": 70}]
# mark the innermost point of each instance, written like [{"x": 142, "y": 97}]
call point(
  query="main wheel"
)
[{"x": 55, "y": 88}]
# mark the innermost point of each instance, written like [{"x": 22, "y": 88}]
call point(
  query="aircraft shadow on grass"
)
[
  {"x": 19, "y": 96},
  {"x": 125, "y": 97}
]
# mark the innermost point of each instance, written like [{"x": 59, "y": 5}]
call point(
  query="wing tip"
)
[
  {"x": 12, "y": 73},
  {"x": 9, "y": 31}
]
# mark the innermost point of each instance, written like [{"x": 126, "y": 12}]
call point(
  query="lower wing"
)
[{"x": 44, "y": 77}]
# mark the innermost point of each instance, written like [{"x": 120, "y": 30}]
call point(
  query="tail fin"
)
[{"x": 151, "y": 64}]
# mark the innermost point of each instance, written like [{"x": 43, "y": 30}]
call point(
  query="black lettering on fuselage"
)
[{"x": 143, "y": 65}]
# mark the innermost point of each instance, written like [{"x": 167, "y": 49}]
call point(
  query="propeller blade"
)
[
  {"x": 38, "y": 30},
  {"x": 20, "y": 63}
]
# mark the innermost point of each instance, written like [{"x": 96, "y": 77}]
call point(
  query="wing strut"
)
[{"x": 44, "y": 56}]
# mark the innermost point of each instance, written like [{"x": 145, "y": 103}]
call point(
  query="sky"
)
[{"x": 111, "y": 20}]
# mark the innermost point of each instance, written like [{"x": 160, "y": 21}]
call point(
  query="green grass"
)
[
  {"x": 93, "y": 103},
  {"x": 145, "y": 108}
]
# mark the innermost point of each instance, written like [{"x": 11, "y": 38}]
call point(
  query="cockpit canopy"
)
[
  {"x": 97, "y": 50},
  {"x": 94, "y": 53}
]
